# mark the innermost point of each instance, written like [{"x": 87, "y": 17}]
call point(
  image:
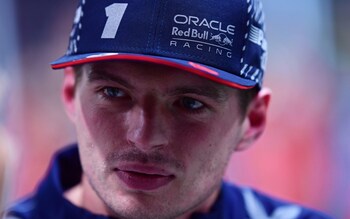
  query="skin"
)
[{"x": 153, "y": 115}]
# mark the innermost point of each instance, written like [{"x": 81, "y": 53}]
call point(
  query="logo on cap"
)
[
  {"x": 222, "y": 39},
  {"x": 202, "y": 34},
  {"x": 115, "y": 13}
]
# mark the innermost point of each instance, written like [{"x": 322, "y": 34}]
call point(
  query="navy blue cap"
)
[{"x": 218, "y": 39}]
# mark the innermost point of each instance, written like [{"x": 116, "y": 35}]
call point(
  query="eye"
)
[
  {"x": 191, "y": 104},
  {"x": 112, "y": 92}
]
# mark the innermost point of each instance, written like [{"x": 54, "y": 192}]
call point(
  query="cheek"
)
[
  {"x": 209, "y": 146},
  {"x": 206, "y": 150},
  {"x": 99, "y": 124},
  {"x": 216, "y": 134},
  {"x": 99, "y": 132},
  {"x": 194, "y": 143}
]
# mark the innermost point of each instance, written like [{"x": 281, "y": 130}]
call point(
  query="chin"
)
[{"x": 144, "y": 212}]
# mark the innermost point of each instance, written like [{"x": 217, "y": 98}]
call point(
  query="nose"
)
[{"x": 146, "y": 128}]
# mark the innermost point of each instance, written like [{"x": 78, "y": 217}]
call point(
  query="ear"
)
[
  {"x": 68, "y": 92},
  {"x": 255, "y": 119}
]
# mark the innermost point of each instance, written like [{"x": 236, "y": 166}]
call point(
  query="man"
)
[{"x": 161, "y": 94}]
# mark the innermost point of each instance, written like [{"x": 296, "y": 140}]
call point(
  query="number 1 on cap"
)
[{"x": 115, "y": 13}]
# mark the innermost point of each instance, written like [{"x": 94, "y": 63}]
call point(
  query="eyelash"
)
[
  {"x": 104, "y": 93},
  {"x": 180, "y": 103}
]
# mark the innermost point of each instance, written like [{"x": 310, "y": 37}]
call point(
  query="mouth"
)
[{"x": 143, "y": 178}]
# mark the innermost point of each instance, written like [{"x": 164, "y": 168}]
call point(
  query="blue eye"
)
[
  {"x": 191, "y": 104},
  {"x": 113, "y": 92}
]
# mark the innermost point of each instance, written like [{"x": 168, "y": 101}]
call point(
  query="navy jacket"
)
[{"x": 65, "y": 172}]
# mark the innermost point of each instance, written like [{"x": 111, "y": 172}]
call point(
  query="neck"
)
[{"x": 82, "y": 195}]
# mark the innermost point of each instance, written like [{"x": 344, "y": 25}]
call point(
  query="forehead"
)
[{"x": 141, "y": 74}]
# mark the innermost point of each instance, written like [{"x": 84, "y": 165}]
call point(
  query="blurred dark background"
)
[{"x": 304, "y": 156}]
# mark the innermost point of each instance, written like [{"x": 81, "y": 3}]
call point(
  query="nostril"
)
[{"x": 131, "y": 143}]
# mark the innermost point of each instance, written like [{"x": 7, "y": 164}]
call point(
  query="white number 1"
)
[{"x": 115, "y": 13}]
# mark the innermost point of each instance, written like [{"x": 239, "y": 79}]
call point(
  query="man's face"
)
[{"x": 154, "y": 141}]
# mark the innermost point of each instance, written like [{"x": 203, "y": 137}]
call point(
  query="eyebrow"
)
[
  {"x": 217, "y": 94},
  {"x": 101, "y": 75}
]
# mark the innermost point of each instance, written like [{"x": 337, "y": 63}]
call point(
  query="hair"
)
[{"x": 245, "y": 96}]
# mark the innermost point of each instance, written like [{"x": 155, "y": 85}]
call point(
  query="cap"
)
[{"x": 221, "y": 40}]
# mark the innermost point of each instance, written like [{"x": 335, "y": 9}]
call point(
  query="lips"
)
[{"x": 143, "y": 178}]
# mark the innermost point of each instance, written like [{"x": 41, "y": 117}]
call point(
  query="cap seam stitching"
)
[
  {"x": 153, "y": 30},
  {"x": 248, "y": 23},
  {"x": 162, "y": 25}
]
